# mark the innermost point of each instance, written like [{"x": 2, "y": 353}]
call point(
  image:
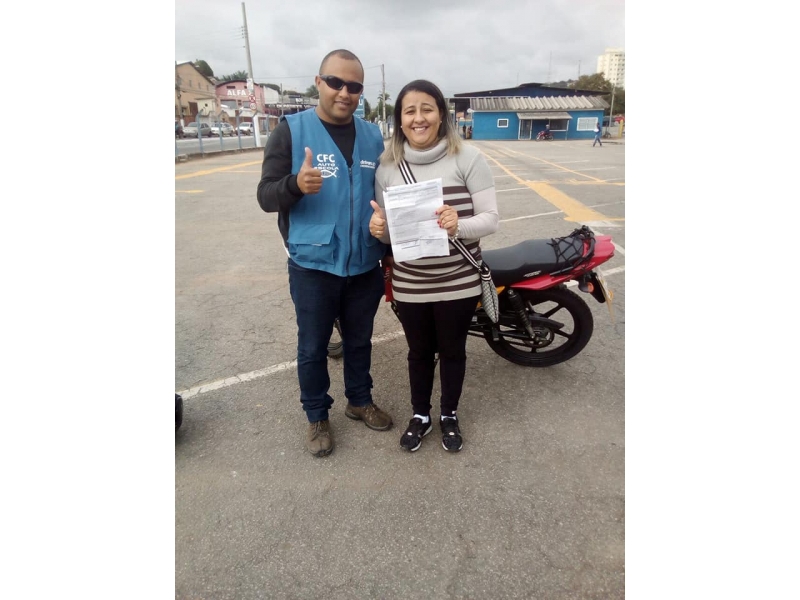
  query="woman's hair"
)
[{"x": 447, "y": 130}]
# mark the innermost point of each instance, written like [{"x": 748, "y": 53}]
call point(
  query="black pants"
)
[{"x": 432, "y": 327}]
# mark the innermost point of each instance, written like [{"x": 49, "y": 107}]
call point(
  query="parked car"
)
[
  {"x": 178, "y": 130},
  {"x": 220, "y": 129},
  {"x": 191, "y": 130},
  {"x": 246, "y": 128}
]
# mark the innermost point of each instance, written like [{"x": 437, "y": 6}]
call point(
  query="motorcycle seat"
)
[{"x": 531, "y": 258}]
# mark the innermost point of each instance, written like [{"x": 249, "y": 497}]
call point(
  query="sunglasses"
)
[{"x": 353, "y": 87}]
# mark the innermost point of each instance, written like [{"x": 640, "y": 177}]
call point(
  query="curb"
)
[{"x": 186, "y": 157}]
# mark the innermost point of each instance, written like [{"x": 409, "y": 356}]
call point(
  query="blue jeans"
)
[{"x": 319, "y": 298}]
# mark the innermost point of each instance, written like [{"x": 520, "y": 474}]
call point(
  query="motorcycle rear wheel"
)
[{"x": 552, "y": 345}]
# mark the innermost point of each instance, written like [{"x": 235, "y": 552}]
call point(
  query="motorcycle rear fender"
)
[{"x": 603, "y": 252}]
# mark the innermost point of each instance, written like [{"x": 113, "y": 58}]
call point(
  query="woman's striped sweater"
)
[{"x": 468, "y": 186}]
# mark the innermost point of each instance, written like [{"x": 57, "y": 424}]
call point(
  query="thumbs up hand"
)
[
  {"x": 309, "y": 179},
  {"x": 377, "y": 223}
]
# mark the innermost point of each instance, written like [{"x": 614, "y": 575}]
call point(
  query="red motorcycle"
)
[
  {"x": 542, "y": 322},
  {"x": 544, "y": 135}
]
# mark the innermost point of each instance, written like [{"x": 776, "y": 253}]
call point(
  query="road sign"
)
[
  {"x": 252, "y": 106},
  {"x": 360, "y": 110}
]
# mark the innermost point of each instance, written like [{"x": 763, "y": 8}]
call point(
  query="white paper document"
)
[{"x": 413, "y": 222}]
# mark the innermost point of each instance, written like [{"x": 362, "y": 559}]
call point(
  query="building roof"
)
[
  {"x": 527, "y": 89},
  {"x": 547, "y": 103},
  {"x": 542, "y": 115}
]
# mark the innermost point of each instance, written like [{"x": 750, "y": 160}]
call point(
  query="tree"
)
[
  {"x": 596, "y": 82},
  {"x": 203, "y": 67},
  {"x": 599, "y": 83},
  {"x": 273, "y": 86},
  {"x": 378, "y": 112},
  {"x": 367, "y": 109},
  {"x": 311, "y": 92},
  {"x": 236, "y": 75}
]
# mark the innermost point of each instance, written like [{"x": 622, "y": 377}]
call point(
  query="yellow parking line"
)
[
  {"x": 189, "y": 191},
  {"x": 218, "y": 170},
  {"x": 552, "y": 164},
  {"x": 574, "y": 210}
]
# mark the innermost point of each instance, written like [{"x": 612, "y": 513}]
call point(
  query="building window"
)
[
  {"x": 501, "y": 123},
  {"x": 558, "y": 124},
  {"x": 586, "y": 123}
]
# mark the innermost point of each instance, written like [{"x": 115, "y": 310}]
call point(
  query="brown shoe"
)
[
  {"x": 373, "y": 417},
  {"x": 319, "y": 439}
]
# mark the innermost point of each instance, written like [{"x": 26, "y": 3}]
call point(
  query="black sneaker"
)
[
  {"x": 412, "y": 438},
  {"x": 451, "y": 435}
]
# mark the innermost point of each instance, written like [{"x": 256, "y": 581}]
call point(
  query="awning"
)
[{"x": 543, "y": 115}]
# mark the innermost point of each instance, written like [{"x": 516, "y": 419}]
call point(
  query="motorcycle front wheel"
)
[
  {"x": 562, "y": 323},
  {"x": 336, "y": 344},
  {"x": 178, "y": 411}
]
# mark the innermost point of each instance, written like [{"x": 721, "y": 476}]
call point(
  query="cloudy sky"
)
[{"x": 461, "y": 45}]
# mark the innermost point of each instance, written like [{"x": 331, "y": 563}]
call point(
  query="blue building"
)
[{"x": 520, "y": 113}]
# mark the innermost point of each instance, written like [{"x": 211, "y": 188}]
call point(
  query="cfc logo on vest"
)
[{"x": 326, "y": 163}]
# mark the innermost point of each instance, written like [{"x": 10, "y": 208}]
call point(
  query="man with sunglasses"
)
[{"x": 318, "y": 174}]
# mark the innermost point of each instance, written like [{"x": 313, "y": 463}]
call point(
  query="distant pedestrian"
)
[
  {"x": 597, "y": 131},
  {"x": 464, "y": 131}
]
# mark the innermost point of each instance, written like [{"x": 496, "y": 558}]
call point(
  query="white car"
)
[
  {"x": 191, "y": 130},
  {"x": 246, "y": 128},
  {"x": 220, "y": 129}
]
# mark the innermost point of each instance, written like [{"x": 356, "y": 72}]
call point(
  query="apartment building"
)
[{"x": 612, "y": 66}]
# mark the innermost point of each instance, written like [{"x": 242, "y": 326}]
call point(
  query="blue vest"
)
[{"x": 329, "y": 231}]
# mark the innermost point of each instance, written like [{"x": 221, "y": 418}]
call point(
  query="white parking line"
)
[
  {"x": 554, "y": 212},
  {"x": 228, "y": 381},
  {"x": 242, "y": 377},
  {"x": 514, "y": 189}
]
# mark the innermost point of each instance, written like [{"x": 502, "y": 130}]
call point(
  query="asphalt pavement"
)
[{"x": 532, "y": 507}]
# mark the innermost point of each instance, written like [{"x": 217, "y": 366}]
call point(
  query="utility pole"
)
[
  {"x": 384, "y": 129},
  {"x": 611, "y": 110},
  {"x": 247, "y": 43}
]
